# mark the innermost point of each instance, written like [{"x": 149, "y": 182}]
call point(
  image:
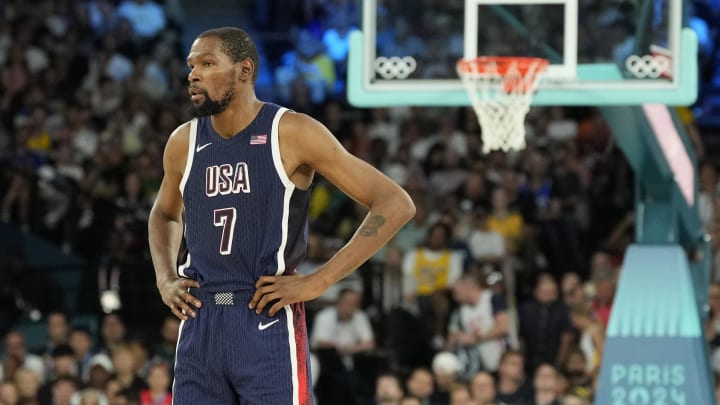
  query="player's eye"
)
[{"x": 208, "y": 64}]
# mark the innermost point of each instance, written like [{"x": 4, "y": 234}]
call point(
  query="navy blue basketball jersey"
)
[{"x": 244, "y": 218}]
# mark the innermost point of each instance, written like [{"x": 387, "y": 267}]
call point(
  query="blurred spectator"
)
[
  {"x": 420, "y": 385},
  {"x": 306, "y": 68},
  {"x": 580, "y": 382},
  {"x": 486, "y": 246},
  {"x": 9, "y": 394},
  {"x": 63, "y": 390},
  {"x": 340, "y": 333},
  {"x": 146, "y": 17},
  {"x": 81, "y": 343},
  {"x": 507, "y": 223},
  {"x": 428, "y": 272},
  {"x": 604, "y": 283},
  {"x": 707, "y": 194},
  {"x": 164, "y": 350},
  {"x": 101, "y": 370},
  {"x": 460, "y": 395},
  {"x": 63, "y": 362},
  {"x": 158, "y": 391},
  {"x": 344, "y": 327},
  {"x": 592, "y": 336},
  {"x": 28, "y": 383},
  {"x": 126, "y": 369},
  {"x": 58, "y": 331},
  {"x": 388, "y": 390},
  {"x": 402, "y": 42},
  {"x": 89, "y": 396},
  {"x": 482, "y": 388},
  {"x": 445, "y": 368},
  {"x": 17, "y": 357},
  {"x": 112, "y": 332},
  {"x": 545, "y": 385},
  {"x": 512, "y": 386},
  {"x": 572, "y": 290},
  {"x": 545, "y": 328},
  {"x": 479, "y": 327}
]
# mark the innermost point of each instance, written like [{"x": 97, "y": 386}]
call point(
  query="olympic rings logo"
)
[
  {"x": 647, "y": 66},
  {"x": 395, "y": 67}
]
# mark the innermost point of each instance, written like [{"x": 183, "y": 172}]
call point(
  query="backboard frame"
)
[{"x": 605, "y": 89}]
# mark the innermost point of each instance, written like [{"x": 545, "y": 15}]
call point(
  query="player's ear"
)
[{"x": 247, "y": 68}]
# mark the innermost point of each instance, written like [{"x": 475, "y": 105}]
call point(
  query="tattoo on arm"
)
[{"x": 370, "y": 228}]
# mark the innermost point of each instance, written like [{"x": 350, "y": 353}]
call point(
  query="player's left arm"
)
[{"x": 311, "y": 145}]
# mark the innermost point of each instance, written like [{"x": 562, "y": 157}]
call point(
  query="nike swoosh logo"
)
[
  {"x": 199, "y": 148},
  {"x": 263, "y": 326}
]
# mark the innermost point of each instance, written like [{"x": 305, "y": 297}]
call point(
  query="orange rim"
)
[{"x": 501, "y": 64}]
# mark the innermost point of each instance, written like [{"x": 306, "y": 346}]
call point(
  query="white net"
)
[{"x": 501, "y": 90}]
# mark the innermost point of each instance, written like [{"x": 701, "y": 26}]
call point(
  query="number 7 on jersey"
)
[{"x": 225, "y": 217}]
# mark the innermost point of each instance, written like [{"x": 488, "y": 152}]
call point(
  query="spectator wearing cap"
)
[
  {"x": 101, "y": 370},
  {"x": 445, "y": 368}
]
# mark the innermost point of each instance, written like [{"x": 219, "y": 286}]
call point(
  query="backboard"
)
[{"x": 601, "y": 52}]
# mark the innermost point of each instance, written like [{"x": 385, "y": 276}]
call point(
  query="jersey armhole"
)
[
  {"x": 191, "y": 153},
  {"x": 275, "y": 144}
]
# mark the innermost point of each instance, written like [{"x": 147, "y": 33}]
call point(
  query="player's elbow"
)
[{"x": 406, "y": 207}]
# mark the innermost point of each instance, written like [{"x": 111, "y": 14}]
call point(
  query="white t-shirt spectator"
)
[{"x": 486, "y": 244}]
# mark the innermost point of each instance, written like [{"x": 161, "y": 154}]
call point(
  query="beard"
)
[{"x": 211, "y": 107}]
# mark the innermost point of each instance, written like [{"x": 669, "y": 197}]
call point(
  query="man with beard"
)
[{"x": 236, "y": 186}]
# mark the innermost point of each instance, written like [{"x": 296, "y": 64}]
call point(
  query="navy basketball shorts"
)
[{"x": 230, "y": 355}]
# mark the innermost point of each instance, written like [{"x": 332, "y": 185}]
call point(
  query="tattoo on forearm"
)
[{"x": 371, "y": 226}]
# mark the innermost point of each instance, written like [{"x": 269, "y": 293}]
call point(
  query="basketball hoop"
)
[{"x": 501, "y": 89}]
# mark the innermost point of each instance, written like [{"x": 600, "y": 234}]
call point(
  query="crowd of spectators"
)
[{"x": 497, "y": 292}]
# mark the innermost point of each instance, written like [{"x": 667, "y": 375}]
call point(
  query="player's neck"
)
[{"x": 237, "y": 116}]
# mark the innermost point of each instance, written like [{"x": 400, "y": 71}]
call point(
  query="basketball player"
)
[{"x": 236, "y": 185}]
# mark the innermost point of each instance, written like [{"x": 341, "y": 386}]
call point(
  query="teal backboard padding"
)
[
  {"x": 362, "y": 92},
  {"x": 655, "y": 347}
]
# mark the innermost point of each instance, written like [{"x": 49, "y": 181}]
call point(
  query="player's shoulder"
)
[
  {"x": 176, "y": 148},
  {"x": 179, "y": 138},
  {"x": 297, "y": 121}
]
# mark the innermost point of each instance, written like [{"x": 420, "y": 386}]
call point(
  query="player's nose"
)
[{"x": 193, "y": 76}]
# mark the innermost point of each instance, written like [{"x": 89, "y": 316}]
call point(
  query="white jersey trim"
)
[
  {"x": 275, "y": 144},
  {"x": 182, "y": 267},
  {"x": 293, "y": 354},
  {"x": 180, "y": 329},
  {"x": 289, "y": 188},
  {"x": 190, "y": 155}
]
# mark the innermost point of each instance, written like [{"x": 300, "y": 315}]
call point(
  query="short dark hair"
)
[{"x": 236, "y": 44}]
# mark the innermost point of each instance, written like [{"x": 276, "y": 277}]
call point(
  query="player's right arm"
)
[{"x": 165, "y": 228}]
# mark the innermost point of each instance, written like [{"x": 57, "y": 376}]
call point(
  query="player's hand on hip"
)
[
  {"x": 281, "y": 291},
  {"x": 174, "y": 293}
]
